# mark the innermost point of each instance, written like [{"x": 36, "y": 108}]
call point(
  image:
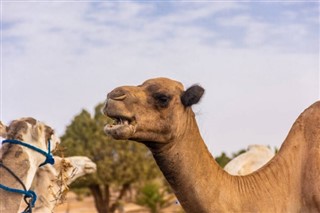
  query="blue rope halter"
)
[
  {"x": 28, "y": 193},
  {"x": 48, "y": 155}
]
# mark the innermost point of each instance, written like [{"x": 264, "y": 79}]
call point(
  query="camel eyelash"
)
[{"x": 162, "y": 99}]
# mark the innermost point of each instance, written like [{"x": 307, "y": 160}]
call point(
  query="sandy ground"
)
[{"x": 86, "y": 205}]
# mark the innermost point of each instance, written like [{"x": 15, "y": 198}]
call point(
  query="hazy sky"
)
[{"x": 258, "y": 61}]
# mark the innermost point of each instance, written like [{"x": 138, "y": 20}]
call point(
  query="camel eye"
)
[{"x": 162, "y": 100}]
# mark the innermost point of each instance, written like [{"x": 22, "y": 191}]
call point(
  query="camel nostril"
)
[
  {"x": 117, "y": 94},
  {"x": 119, "y": 98}
]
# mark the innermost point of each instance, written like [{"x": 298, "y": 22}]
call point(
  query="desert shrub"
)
[{"x": 152, "y": 196}]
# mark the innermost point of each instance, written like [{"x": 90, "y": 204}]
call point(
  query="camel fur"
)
[
  {"x": 23, "y": 161},
  {"x": 158, "y": 114}
]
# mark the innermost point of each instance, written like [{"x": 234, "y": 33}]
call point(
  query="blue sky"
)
[{"x": 258, "y": 61}]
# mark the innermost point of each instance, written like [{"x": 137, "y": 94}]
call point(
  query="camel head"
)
[
  {"x": 74, "y": 167},
  {"x": 65, "y": 170},
  {"x": 51, "y": 181},
  {"x": 154, "y": 112},
  {"x": 31, "y": 131}
]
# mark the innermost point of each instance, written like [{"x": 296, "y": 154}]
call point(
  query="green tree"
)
[
  {"x": 223, "y": 159},
  {"x": 153, "y": 196},
  {"x": 119, "y": 163}
]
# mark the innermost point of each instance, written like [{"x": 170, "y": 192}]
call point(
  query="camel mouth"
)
[
  {"x": 120, "y": 121},
  {"x": 121, "y": 128},
  {"x": 90, "y": 168}
]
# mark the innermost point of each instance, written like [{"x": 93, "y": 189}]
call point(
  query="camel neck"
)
[
  {"x": 190, "y": 169},
  {"x": 49, "y": 193},
  {"x": 45, "y": 204},
  {"x": 42, "y": 209}
]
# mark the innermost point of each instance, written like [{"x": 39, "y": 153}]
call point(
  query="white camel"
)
[
  {"x": 21, "y": 160},
  {"x": 51, "y": 182},
  {"x": 254, "y": 158}
]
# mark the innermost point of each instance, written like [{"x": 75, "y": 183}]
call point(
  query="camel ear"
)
[
  {"x": 37, "y": 131},
  {"x": 3, "y": 130},
  {"x": 192, "y": 95}
]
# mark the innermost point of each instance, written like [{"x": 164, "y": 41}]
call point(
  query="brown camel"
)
[
  {"x": 22, "y": 160},
  {"x": 158, "y": 114}
]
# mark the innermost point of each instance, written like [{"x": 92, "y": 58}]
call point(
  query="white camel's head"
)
[
  {"x": 74, "y": 167},
  {"x": 30, "y": 131},
  {"x": 51, "y": 181}
]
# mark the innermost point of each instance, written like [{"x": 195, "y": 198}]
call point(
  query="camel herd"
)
[
  {"x": 158, "y": 113},
  {"x": 47, "y": 183}
]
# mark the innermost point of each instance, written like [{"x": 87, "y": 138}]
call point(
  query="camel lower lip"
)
[
  {"x": 110, "y": 127},
  {"x": 120, "y": 131},
  {"x": 90, "y": 170}
]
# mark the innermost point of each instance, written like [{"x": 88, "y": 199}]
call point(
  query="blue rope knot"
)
[
  {"x": 28, "y": 194},
  {"x": 49, "y": 159},
  {"x": 48, "y": 155},
  {"x": 31, "y": 194}
]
